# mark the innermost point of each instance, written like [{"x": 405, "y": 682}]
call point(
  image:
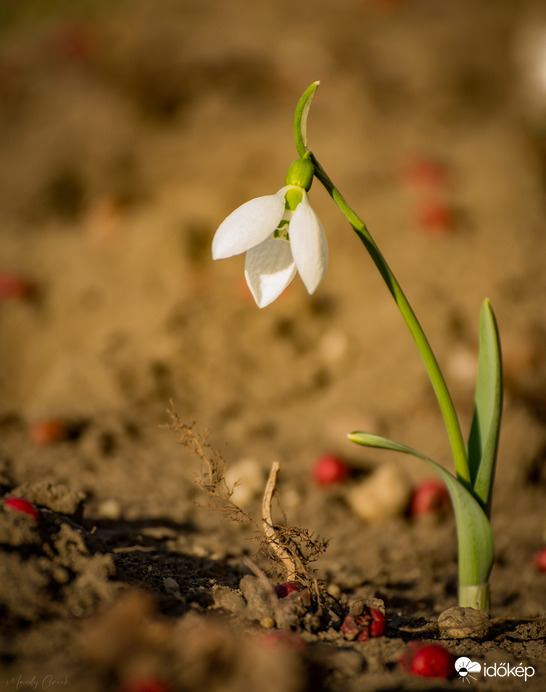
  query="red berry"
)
[
  {"x": 14, "y": 287},
  {"x": 366, "y": 625},
  {"x": 428, "y": 660},
  {"x": 19, "y": 504},
  {"x": 329, "y": 470},
  {"x": 144, "y": 684},
  {"x": 284, "y": 640},
  {"x": 378, "y": 623},
  {"x": 539, "y": 560},
  {"x": 76, "y": 42},
  {"x": 286, "y": 588},
  {"x": 429, "y": 497},
  {"x": 423, "y": 172},
  {"x": 49, "y": 431},
  {"x": 435, "y": 218}
]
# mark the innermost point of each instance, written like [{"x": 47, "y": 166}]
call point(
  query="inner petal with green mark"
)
[{"x": 282, "y": 230}]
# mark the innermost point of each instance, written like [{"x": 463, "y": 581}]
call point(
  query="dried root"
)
[
  {"x": 211, "y": 477},
  {"x": 292, "y": 548}
]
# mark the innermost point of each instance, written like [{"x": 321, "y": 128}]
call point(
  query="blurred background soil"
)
[{"x": 128, "y": 131}]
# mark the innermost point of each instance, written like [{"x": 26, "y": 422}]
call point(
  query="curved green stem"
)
[{"x": 440, "y": 388}]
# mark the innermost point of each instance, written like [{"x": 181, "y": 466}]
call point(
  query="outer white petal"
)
[
  {"x": 248, "y": 225},
  {"x": 309, "y": 245},
  {"x": 269, "y": 268}
]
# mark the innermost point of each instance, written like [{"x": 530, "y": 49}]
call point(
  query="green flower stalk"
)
[
  {"x": 281, "y": 236},
  {"x": 472, "y": 485}
]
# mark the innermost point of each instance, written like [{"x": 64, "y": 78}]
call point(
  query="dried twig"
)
[
  {"x": 211, "y": 478},
  {"x": 290, "y": 546},
  {"x": 279, "y": 551}
]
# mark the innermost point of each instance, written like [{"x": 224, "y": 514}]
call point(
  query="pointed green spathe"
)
[{"x": 300, "y": 119}]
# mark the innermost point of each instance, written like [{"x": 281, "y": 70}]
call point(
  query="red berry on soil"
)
[
  {"x": 435, "y": 218},
  {"x": 429, "y": 497},
  {"x": 286, "y": 588},
  {"x": 378, "y": 623},
  {"x": 370, "y": 623},
  {"x": 19, "y": 504},
  {"x": 539, "y": 560},
  {"x": 284, "y": 640},
  {"x": 428, "y": 661},
  {"x": 424, "y": 172},
  {"x": 14, "y": 287},
  {"x": 76, "y": 42},
  {"x": 144, "y": 685},
  {"x": 49, "y": 431},
  {"x": 330, "y": 470}
]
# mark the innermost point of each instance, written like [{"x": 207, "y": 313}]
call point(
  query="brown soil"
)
[{"x": 128, "y": 131}]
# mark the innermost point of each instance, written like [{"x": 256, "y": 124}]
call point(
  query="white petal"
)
[
  {"x": 309, "y": 245},
  {"x": 248, "y": 225},
  {"x": 269, "y": 268}
]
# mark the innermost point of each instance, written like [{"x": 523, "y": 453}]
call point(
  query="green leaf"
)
[
  {"x": 474, "y": 536},
  {"x": 484, "y": 432}
]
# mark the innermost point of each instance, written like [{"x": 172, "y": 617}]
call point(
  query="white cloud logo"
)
[{"x": 465, "y": 667}]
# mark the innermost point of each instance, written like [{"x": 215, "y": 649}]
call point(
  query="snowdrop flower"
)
[{"x": 281, "y": 235}]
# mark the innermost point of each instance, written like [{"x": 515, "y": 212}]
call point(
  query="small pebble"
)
[
  {"x": 381, "y": 496},
  {"x": 247, "y": 479},
  {"x": 334, "y": 590},
  {"x": 462, "y": 365},
  {"x": 228, "y": 599},
  {"x": 109, "y": 509},
  {"x": 333, "y": 346},
  {"x": 463, "y": 623},
  {"x": 290, "y": 498}
]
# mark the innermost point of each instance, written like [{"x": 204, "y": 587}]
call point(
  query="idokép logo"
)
[{"x": 468, "y": 670}]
